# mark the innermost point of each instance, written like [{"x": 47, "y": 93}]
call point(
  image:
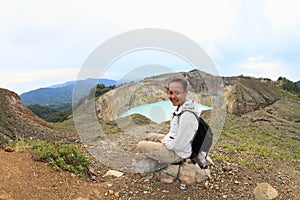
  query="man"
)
[{"x": 176, "y": 145}]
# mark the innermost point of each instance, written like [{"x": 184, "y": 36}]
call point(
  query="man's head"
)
[{"x": 177, "y": 91}]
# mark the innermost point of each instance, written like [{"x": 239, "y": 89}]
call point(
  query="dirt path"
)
[{"x": 23, "y": 178}]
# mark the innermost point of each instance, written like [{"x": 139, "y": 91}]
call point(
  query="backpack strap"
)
[
  {"x": 200, "y": 142},
  {"x": 194, "y": 154}
]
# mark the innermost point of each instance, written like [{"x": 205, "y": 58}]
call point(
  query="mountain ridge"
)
[
  {"x": 61, "y": 93},
  {"x": 240, "y": 95}
]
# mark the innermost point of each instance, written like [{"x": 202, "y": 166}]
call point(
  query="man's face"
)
[{"x": 177, "y": 94}]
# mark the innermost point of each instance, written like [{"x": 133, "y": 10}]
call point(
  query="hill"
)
[
  {"x": 61, "y": 93},
  {"x": 18, "y": 122}
]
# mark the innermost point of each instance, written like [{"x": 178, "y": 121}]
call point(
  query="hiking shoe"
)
[{"x": 204, "y": 161}]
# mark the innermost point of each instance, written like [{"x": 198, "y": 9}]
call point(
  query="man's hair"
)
[{"x": 179, "y": 80}]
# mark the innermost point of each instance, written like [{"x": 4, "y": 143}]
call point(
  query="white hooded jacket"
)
[{"x": 182, "y": 129}]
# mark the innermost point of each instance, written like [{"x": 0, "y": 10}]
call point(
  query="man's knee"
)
[
  {"x": 141, "y": 146},
  {"x": 148, "y": 146}
]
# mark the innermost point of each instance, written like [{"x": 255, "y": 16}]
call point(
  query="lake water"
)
[{"x": 157, "y": 112}]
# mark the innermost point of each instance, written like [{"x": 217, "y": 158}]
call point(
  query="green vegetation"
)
[
  {"x": 60, "y": 156},
  {"x": 49, "y": 114},
  {"x": 59, "y": 116},
  {"x": 247, "y": 140},
  {"x": 43, "y": 111},
  {"x": 100, "y": 89},
  {"x": 289, "y": 86}
]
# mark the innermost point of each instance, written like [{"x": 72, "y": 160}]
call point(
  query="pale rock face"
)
[
  {"x": 230, "y": 98},
  {"x": 115, "y": 102}
]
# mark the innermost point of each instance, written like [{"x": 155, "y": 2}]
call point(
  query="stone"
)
[
  {"x": 188, "y": 173},
  {"x": 165, "y": 178},
  {"x": 9, "y": 149},
  {"x": 203, "y": 174},
  {"x": 264, "y": 191},
  {"x": 169, "y": 174},
  {"x": 172, "y": 170},
  {"x": 114, "y": 173}
]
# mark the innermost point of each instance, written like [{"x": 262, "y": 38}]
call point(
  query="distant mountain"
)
[
  {"x": 106, "y": 82},
  {"x": 62, "y": 93},
  {"x": 62, "y": 84},
  {"x": 298, "y": 83}
]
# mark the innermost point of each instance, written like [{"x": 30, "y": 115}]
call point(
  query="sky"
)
[{"x": 47, "y": 42}]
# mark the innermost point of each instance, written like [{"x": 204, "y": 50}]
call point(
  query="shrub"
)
[{"x": 67, "y": 157}]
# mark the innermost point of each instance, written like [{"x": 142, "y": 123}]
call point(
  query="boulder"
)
[
  {"x": 264, "y": 191},
  {"x": 187, "y": 173}
]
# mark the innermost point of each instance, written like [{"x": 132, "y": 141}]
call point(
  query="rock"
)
[
  {"x": 9, "y": 149},
  {"x": 165, "y": 178},
  {"x": 114, "y": 173},
  {"x": 111, "y": 192},
  {"x": 192, "y": 173},
  {"x": 265, "y": 191},
  {"x": 203, "y": 174},
  {"x": 169, "y": 174},
  {"x": 187, "y": 173},
  {"x": 172, "y": 170}
]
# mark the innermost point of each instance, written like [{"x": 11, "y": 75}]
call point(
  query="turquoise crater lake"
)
[{"x": 158, "y": 112}]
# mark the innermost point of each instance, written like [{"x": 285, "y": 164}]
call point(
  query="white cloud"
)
[
  {"x": 201, "y": 20},
  {"x": 283, "y": 14},
  {"x": 28, "y": 76},
  {"x": 257, "y": 67}
]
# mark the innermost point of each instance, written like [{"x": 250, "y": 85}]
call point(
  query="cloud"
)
[
  {"x": 257, "y": 67},
  {"x": 23, "y": 80},
  {"x": 283, "y": 14},
  {"x": 28, "y": 76}
]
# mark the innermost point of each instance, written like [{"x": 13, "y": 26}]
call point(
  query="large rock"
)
[
  {"x": 243, "y": 95},
  {"x": 264, "y": 191},
  {"x": 187, "y": 173}
]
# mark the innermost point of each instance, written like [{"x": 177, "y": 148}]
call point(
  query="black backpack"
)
[{"x": 203, "y": 138}]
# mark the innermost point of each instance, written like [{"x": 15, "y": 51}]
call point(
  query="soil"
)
[{"x": 24, "y": 178}]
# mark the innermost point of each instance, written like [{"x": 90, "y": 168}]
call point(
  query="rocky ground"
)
[{"x": 255, "y": 148}]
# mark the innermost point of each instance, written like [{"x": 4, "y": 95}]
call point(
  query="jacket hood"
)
[{"x": 190, "y": 105}]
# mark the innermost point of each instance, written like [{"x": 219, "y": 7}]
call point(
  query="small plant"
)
[
  {"x": 67, "y": 157},
  {"x": 247, "y": 163},
  {"x": 216, "y": 155},
  {"x": 19, "y": 145}
]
